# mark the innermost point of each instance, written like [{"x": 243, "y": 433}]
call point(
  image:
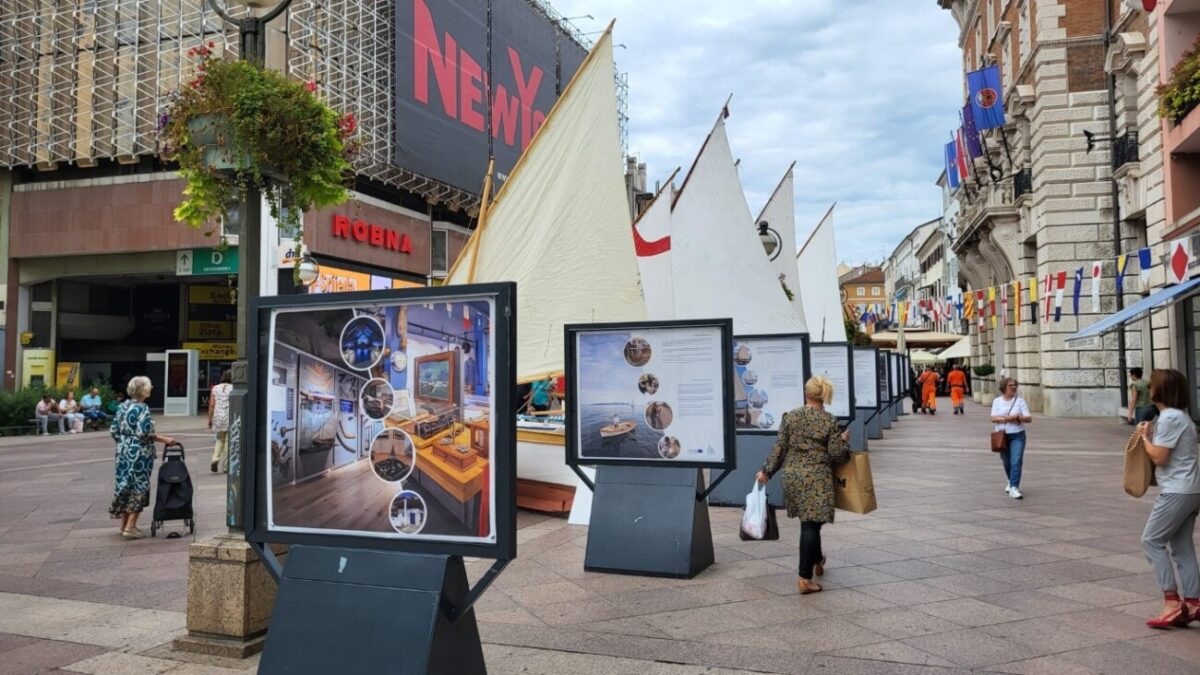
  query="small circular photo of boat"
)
[
  {"x": 362, "y": 342},
  {"x": 648, "y": 383},
  {"x": 407, "y": 512},
  {"x": 766, "y": 420},
  {"x": 749, "y": 378},
  {"x": 377, "y": 399},
  {"x": 757, "y": 398},
  {"x": 742, "y": 355},
  {"x": 659, "y": 415},
  {"x": 393, "y": 456},
  {"x": 668, "y": 447},
  {"x": 637, "y": 352}
]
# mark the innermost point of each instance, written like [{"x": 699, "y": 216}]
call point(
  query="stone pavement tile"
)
[
  {"x": 11, "y": 641},
  {"x": 1109, "y": 623},
  {"x": 1126, "y": 562},
  {"x": 969, "y": 612},
  {"x": 914, "y": 549},
  {"x": 1034, "y": 603},
  {"x": 865, "y": 556},
  {"x": 907, "y": 593},
  {"x": 922, "y": 534},
  {"x": 1182, "y": 644},
  {"x": 586, "y": 611},
  {"x": 912, "y": 569},
  {"x": 1144, "y": 583},
  {"x": 891, "y": 652},
  {"x": 504, "y": 660},
  {"x": 793, "y": 607},
  {"x": 548, "y": 593},
  {"x": 1043, "y": 665},
  {"x": 972, "y": 648},
  {"x": 841, "y": 601},
  {"x": 699, "y": 622},
  {"x": 606, "y": 584},
  {"x": 1080, "y": 570},
  {"x": 852, "y": 576},
  {"x": 824, "y": 633},
  {"x": 115, "y": 663},
  {"x": 783, "y": 584},
  {"x": 514, "y": 615},
  {"x": 1031, "y": 576},
  {"x": 46, "y": 654},
  {"x": 1096, "y": 594},
  {"x": 1128, "y": 657},
  {"x": 1144, "y": 609},
  {"x": 1068, "y": 550},
  {"x": 114, "y": 636},
  {"x": 966, "y": 562},
  {"x": 201, "y": 669},
  {"x": 901, "y": 622},
  {"x": 969, "y": 544},
  {"x": 1044, "y": 636},
  {"x": 627, "y": 626}
]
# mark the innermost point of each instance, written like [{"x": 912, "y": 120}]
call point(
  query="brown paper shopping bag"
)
[
  {"x": 853, "y": 486},
  {"x": 1139, "y": 471}
]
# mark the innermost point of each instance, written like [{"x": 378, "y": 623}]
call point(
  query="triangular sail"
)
[
  {"x": 652, "y": 243},
  {"x": 560, "y": 224},
  {"x": 819, "y": 284},
  {"x": 717, "y": 259},
  {"x": 780, "y": 213}
]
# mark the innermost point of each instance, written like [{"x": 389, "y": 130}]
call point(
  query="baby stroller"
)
[{"x": 173, "y": 499}]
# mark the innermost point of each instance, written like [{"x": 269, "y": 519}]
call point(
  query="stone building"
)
[
  {"x": 902, "y": 270},
  {"x": 1051, "y": 209},
  {"x": 862, "y": 287}
]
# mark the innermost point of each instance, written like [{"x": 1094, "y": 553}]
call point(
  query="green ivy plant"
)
[
  {"x": 1181, "y": 93},
  {"x": 278, "y": 126},
  {"x": 983, "y": 370}
]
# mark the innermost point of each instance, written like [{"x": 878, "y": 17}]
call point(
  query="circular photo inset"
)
[
  {"x": 766, "y": 420},
  {"x": 407, "y": 512},
  {"x": 659, "y": 415},
  {"x": 648, "y": 383},
  {"x": 749, "y": 378},
  {"x": 742, "y": 355},
  {"x": 668, "y": 447},
  {"x": 378, "y": 397},
  {"x": 637, "y": 352},
  {"x": 757, "y": 398},
  {"x": 362, "y": 342},
  {"x": 393, "y": 455}
]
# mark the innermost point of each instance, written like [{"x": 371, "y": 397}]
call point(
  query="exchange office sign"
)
[{"x": 454, "y": 108}]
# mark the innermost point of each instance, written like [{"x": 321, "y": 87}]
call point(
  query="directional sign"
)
[{"x": 205, "y": 261}]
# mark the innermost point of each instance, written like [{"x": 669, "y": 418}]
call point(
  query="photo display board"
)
[
  {"x": 384, "y": 420},
  {"x": 881, "y": 369},
  {"x": 834, "y": 360},
  {"x": 866, "y": 377},
  {"x": 651, "y": 393},
  {"x": 906, "y": 372},
  {"x": 894, "y": 374},
  {"x": 769, "y": 372}
]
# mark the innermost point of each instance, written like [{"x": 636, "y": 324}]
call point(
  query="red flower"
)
[{"x": 311, "y": 86}]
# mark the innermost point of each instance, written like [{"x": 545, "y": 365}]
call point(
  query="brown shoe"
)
[
  {"x": 807, "y": 586},
  {"x": 819, "y": 568}
]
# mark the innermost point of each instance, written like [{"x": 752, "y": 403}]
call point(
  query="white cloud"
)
[{"x": 861, "y": 94}]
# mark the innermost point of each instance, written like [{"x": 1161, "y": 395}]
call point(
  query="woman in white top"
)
[
  {"x": 1172, "y": 448},
  {"x": 1010, "y": 414}
]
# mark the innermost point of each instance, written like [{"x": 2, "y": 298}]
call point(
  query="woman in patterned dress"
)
[
  {"x": 809, "y": 443},
  {"x": 133, "y": 430}
]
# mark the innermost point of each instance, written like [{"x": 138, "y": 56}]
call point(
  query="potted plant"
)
[
  {"x": 235, "y": 126},
  {"x": 1180, "y": 94}
]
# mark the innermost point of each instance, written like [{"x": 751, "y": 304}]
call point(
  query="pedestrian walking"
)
[
  {"x": 133, "y": 430},
  {"x": 957, "y": 382},
  {"x": 809, "y": 443},
  {"x": 928, "y": 382},
  {"x": 1167, "y": 538},
  {"x": 1010, "y": 414},
  {"x": 1141, "y": 408},
  {"x": 218, "y": 421}
]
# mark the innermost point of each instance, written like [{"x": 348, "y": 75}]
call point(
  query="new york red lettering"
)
[
  {"x": 427, "y": 53},
  {"x": 527, "y": 91}
]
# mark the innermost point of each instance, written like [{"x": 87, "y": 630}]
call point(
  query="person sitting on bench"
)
[
  {"x": 90, "y": 405},
  {"x": 47, "y": 410}
]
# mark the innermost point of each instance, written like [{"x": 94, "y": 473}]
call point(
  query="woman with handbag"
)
[
  {"x": 1172, "y": 449},
  {"x": 1010, "y": 414},
  {"x": 809, "y": 443}
]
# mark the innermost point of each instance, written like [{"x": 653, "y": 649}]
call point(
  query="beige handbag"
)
[
  {"x": 853, "y": 485},
  {"x": 1139, "y": 470}
]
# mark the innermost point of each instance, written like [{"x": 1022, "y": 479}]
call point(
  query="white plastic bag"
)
[{"x": 754, "y": 520}]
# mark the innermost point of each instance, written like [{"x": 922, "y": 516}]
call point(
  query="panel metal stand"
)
[
  {"x": 752, "y": 451},
  {"x": 649, "y": 521},
  {"x": 885, "y": 416},
  {"x": 896, "y": 406},
  {"x": 374, "y": 612},
  {"x": 858, "y": 430},
  {"x": 875, "y": 424}
]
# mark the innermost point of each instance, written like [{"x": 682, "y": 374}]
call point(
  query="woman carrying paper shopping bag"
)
[
  {"x": 809, "y": 443},
  {"x": 1167, "y": 539}
]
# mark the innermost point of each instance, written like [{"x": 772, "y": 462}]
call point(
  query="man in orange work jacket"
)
[
  {"x": 929, "y": 381},
  {"x": 957, "y": 380}
]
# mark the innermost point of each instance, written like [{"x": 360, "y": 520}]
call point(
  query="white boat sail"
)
[
  {"x": 652, "y": 243},
  {"x": 717, "y": 262},
  {"x": 560, "y": 227},
  {"x": 822, "y": 298},
  {"x": 780, "y": 214}
]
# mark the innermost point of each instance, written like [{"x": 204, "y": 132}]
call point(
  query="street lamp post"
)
[{"x": 230, "y": 593}]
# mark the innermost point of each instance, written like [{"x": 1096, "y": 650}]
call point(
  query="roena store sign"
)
[
  {"x": 371, "y": 234},
  {"x": 453, "y": 111},
  {"x": 374, "y": 234}
]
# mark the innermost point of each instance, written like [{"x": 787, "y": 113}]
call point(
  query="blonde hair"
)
[
  {"x": 819, "y": 388},
  {"x": 139, "y": 388}
]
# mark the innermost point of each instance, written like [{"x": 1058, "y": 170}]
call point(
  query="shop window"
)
[
  {"x": 875, "y": 291},
  {"x": 440, "y": 250},
  {"x": 1023, "y": 32},
  {"x": 41, "y": 292}
]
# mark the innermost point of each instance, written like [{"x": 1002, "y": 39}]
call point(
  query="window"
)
[
  {"x": 440, "y": 249},
  {"x": 860, "y": 291},
  {"x": 1006, "y": 68},
  {"x": 1023, "y": 32},
  {"x": 875, "y": 291}
]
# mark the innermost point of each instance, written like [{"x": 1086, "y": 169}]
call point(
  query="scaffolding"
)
[{"x": 85, "y": 80}]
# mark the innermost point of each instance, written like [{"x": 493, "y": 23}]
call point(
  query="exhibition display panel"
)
[
  {"x": 866, "y": 377},
  {"x": 835, "y": 361},
  {"x": 769, "y": 372}
]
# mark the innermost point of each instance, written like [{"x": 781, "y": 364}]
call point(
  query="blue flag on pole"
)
[
  {"x": 971, "y": 132},
  {"x": 1078, "y": 288},
  {"x": 951, "y": 165},
  {"x": 983, "y": 87}
]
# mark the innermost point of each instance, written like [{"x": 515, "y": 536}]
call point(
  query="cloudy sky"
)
[{"x": 861, "y": 94}]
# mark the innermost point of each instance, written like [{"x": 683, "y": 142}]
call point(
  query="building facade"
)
[
  {"x": 862, "y": 291},
  {"x": 1040, "y": 201},
  {"x": 902, "y": 271}
]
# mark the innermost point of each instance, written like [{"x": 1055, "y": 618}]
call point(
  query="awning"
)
[
  {"x": 924, "y": 358},
  {"x": 958, "y": 350},
  {"x": 1156, "y": 300}
]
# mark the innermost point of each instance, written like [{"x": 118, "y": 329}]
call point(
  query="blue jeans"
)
[{"x": 1013, "y": 457}]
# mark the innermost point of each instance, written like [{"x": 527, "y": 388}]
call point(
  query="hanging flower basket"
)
[{"x": 235, "y": 126}]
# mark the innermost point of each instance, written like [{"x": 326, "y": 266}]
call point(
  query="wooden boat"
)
[{"x": 618, "y": 429}]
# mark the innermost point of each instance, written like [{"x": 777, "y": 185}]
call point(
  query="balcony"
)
[
  {"x": 1125, "y": 149},
  {"x": 1022, "y": 183}
]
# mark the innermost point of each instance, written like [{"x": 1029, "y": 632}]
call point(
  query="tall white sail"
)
[
  {"x": 560, "y": 224},
  {"x": 717, "y": 259},
  {"x": 819, "y": 284},
  {"x": 780, "y": 214},
  {"x": 652, "y": 243}
]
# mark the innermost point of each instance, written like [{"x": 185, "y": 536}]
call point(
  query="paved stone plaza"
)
[{"x": 950, "y": 575}]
